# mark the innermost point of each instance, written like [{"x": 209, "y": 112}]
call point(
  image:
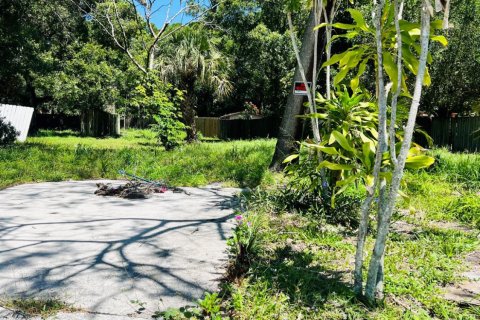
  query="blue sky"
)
[{"x": 159, "y": 17}]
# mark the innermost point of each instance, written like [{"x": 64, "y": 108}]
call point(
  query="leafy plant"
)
[
  {"x": 8, "y": 133},
  {"x": 210, "y": 305},
  {"x": 348, "y": 125},
  {"x": 359, "y": 55},
  {"x": 159, "y": 100},
  {"x": 243, "y": 244}
]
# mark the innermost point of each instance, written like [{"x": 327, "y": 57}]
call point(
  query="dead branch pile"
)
[{"x": 130, "y": 190}]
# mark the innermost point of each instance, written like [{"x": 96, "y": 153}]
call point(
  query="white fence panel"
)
[{"x": 19, "y": 117}]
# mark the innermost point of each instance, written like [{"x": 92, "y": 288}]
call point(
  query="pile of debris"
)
[{"x": 130, "y": 190}]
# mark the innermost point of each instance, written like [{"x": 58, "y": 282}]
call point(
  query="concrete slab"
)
[{"x": 107, "y": 255}]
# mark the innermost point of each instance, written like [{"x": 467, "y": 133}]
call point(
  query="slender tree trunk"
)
[
  {"x": 382, "y": 232},
  {"x": 362, "y": 233},
  {"x": 288, "y": 128}
]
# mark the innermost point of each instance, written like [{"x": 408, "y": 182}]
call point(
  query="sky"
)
[{"x": 159, "y": 17}]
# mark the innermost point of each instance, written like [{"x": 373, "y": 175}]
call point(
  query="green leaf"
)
[
  {"x": 358, "y": 18},
  {"x": 387, "y": 175},
  {"x": 407, "y": 26},
  {"x": 390, "y": 68},
  {"x": 344, "y": 26},
  {"x": 328, "y": 150},
  {"x": 321, "y": 25},
  {"x": 335, "y": 166},
  {"x": 367, "y": 155},
  {"x": 290, "y": 158},
  {"x": 349, "y": 35},
  {"x": 410, "y": 60},
  {"x": 369, "y": 180},
  {"x": 427, "y": 80},
  {"x": 361, "y": 69},
  {"x": 313, "y": 115},
  {"x": 437, "y": 24},
  {"x": 346, "y": 181},
  {"x": 334, "y": 59},
  {"x": 340, "y": 76},
  {"x": 342, "y": 140},
  {"x": 440, "y": 39},
  {"x": 419, "y": 162},
  {"x": 331, "y": 140}
]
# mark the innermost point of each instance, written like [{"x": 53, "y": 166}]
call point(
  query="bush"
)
[
  {"x": 305, "y": 193},
  {"x": 8, "y": 134}
]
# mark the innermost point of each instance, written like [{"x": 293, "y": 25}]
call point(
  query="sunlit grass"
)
[{"x": 58, "y": 158}]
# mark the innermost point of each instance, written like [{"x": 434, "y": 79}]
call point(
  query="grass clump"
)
[
  {"x": 465, "y": 208},
  {"x": 44, "y": 308},
  {"x": 463, "y": 168}
]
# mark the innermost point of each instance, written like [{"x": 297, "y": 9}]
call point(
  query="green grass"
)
[
  {"x": 45, "y": 308},
  {"x": 64, "y": 157},
  {"x": 304, "y": 266},
  {"x": 462, "y": 168},
  {"x": 130, "y": 138},
  {"x": 304, "y": 271}
]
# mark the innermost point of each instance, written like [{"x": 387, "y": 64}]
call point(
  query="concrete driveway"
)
[{"x": 108, "y": 255}]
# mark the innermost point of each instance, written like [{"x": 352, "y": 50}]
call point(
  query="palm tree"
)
[{"x": 193, "y": 61}]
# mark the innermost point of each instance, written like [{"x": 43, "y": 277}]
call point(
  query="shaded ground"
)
[{"x": 112, "y": 256}]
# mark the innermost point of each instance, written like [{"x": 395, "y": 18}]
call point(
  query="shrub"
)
[
  {"x": 8, "y": 134},
  {"x": 161, "y": 102}
]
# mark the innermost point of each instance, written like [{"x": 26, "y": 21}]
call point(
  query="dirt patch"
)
[
  {"x": 404, "y": 228},
  {"x": 467, "y": 292},
  {"x": 450, "y": 225}
]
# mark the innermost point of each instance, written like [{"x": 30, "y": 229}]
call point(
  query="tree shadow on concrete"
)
[{"x": 169, "y": 270}]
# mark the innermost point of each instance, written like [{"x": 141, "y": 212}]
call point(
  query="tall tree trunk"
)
[{"x": 288, "y": 127}]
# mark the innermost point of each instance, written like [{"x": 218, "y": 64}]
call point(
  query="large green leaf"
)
[
  {"x": 419, "y": 162},
  {"x": 321, "y": 25},
  {"x": 290, "y": 158},
  {"x": 359, "y": 20},
  {"x": 342, "y": 140},
  {"x": 407, "y": 26},
  {"x": 343, "y": 26},
  {"x": 390, "y": 68},
  {"x": 335, "y": 166},
  {"x": 327, "y": 150},
  {"x": 340, "y": 76},
  {"x": 334, "y": 59},
  {"x": 367, "y": 155}
]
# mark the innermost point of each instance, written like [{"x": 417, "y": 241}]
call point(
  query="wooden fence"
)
[
  {"x": 20, "y": 118},
  {"x": 236, "y": 129},
  {"x": 208, "y": 126},
  {"x": 98, "y": 123},
  {"x": 458, "y": 134}
]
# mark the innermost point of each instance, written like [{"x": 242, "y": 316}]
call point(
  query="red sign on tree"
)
[{"x": 300, "y": 89}]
